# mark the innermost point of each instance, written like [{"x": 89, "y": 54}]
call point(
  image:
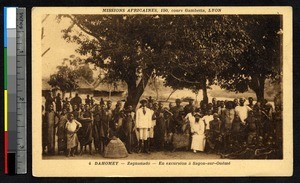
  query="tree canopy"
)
[
  {"x": 189, "y": 51},
  {"x": 65, "y": 79},
  {"x": 200, "y": 51},
  {"x": 260, "y": 60}
]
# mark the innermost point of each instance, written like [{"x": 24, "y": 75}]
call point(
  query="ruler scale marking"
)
[{"x": 21, "y": 92}]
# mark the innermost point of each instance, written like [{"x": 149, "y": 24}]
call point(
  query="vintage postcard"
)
[{"x": 162, "y": 91}]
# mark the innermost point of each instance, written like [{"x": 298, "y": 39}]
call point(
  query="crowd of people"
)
[{"x": 230, "y": 129}]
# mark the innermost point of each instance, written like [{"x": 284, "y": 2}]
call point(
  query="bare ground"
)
[{"x": 160, "y": 155}]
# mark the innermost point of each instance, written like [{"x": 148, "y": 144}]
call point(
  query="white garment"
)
[
  {"x": 242, "y": 112},
  {"x": 207, "y": 119},
  {"x": 190, "y": 118},
  {"x": 198, "y": 137},
  {"x": 71, "y": 126},
  {"x": 151, "y": 133},
  {"x": 144, "y": 120},
  {"x": 153, "y": 121},
  {"x": 143, "y": 134}
]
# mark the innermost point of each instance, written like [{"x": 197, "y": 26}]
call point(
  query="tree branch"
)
[
  {"x": 184, "y": 80},
  {"x": 82, "y": 28}
]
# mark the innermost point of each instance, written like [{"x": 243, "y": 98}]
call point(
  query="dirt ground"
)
[{"x": 159, "y": 155}]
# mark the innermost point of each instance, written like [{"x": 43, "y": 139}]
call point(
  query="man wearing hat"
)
[
  {"x": 143, "y": 125},
  {"x": 198, "y": 133}
]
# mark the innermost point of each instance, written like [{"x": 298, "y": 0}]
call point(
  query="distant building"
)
[
  {"x": 46, "y": 88},
  {"x": 84, "y": 86},
  {"x": 105, "y": 89}
]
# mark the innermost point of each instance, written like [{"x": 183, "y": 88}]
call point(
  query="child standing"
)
[{"x": 72, "y": 126}]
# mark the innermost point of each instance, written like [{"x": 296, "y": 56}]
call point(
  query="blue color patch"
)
[{"x": 5, "y": 27}]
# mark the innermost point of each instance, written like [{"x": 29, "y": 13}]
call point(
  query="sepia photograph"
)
[{"x": 160, "y": 86}]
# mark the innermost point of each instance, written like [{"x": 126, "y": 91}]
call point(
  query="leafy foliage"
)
[
  {"x": 189, "y": 51},
  {"x": 199, "y": 51},
  {"x": 64, "y": 79},
  {"x": 260, "y": 60}
]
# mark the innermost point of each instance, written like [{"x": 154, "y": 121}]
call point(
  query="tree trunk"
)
[
  {"x": 260, "y": 90},
  {"x": 156, "y": 89},
  {"x": 258, "y": 87},
  {"x": 204, "y": 89},
  {"x": 136, "y": 91}
]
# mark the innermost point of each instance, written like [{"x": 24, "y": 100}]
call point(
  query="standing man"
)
[
  {"x": 151, "y": 132},
  {"x": 102, "y": 101},
  {"x": 128, "y": 128},
  {"x": 242, "y": 110},
  {"x": 161, "y": 127},
  {"x": 44, "y": 130},
  {"x": 177, "y": 115},
  {"x": 97, "y": 129},
  {"x": 227, "y": 118},
  {"x": 250, "y": 100},
  {"x": 51, "y": 124},
  {"x": 88, "y": 100},
  {"x": 188, "y": 108},
  {"x": 92, "y": 102},
  {"x": 61, "y": 133},
  {"x": 85, "y": 134},
  {"x": 103, "y": 132},
  {"x": 49, "y": 101},
  {"x": 107, "y": 120},
  {"x": 221, "y": 108},
  {"x": 214, "y": 105},
  {"x": 76, "y": 100},
  {"x": 117, "y": 111},
  {"x": 143, "y": 125},
  {"x": 58, "y": 103},
  {"x": 65, "y": 102}
]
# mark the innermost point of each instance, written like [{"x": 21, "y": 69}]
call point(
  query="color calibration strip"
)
[{"x": 15, "y": 91}]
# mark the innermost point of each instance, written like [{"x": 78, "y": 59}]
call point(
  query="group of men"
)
[{"x": 228, "y": 128}]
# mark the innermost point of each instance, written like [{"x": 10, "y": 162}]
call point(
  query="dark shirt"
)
[{"x": 76, "y": 100}]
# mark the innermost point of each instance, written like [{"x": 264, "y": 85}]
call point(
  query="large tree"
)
[
  {"x": 201, "y": 48},
  {"x": 190, "y": 49},
  {"x": 127, "y": 47},
  {"x": 260, "y": 60}
]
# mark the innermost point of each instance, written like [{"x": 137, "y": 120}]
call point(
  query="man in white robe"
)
[{"x": 198, "y": 133}]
